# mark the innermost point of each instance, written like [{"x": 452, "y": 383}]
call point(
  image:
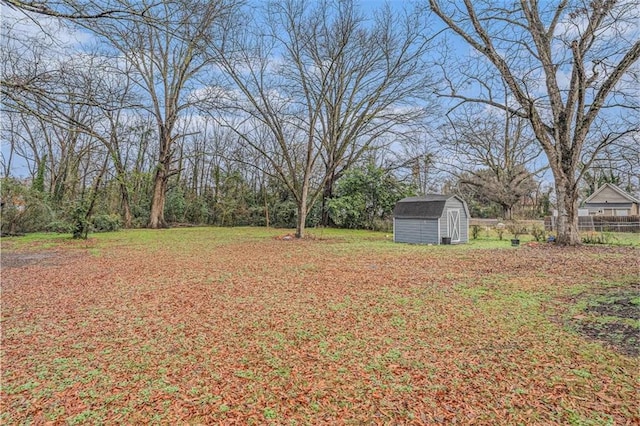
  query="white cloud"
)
[{"x": 23, "y": 25}]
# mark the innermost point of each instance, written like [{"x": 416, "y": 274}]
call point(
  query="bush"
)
[
  {"x": 23, "y": 209},
  {"x": 348, "y": 211},
  {"x": 597, "y": 238},
  {"x": 538, "y": 233},
  {"x": 283, "y": 214},
  {"x": 517, "y": 229},
  {"x": 197, "y": 211},
  {"x": 175, "y": 206},
  {"x": 139, "y": 222},
  {"x": 382, "y": 225},
  {"x": 365, "y": 196},
  {"x": 107, "y": 223},
  {"x": 60, "y": 227},
  {"x": 81, "y": 225},
  {"x": 475, "y": 231}
]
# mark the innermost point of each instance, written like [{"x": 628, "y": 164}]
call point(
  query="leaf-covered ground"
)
[{"x": 237, "y": 326}]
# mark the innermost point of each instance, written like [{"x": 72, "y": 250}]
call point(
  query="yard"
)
[{"x": 219, "y": 325}]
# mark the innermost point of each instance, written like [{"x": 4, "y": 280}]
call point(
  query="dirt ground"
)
[
  {"x": 611, "y": 317},
  {"x": 21, "y": 259}
]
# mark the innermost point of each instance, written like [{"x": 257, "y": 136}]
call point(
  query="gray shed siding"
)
[
  {"x": 416, "y": 231},
  {"x": 455, "y": 204},
  {"x": 427, "y": 219}
]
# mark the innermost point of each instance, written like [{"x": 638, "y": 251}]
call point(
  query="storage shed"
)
[{"x": 431, "y": 219}]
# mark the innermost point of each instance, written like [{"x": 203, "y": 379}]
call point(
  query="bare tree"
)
[
  {"x": 496, "y": 155},
  {"x": 568, "y": 68},
  {"x": 78, "y": 10},
  {"x": 372, "y": 86},
  {"x": 47, "y": 21},
  {"x": 32, "y": 74},
  {"x": 316, "y": 86},
  {"x": 116, "y": 128},
  {"x": 618, "y": 164},
  {"x": 168, "y": 53},
  {"x": 54, "y": 99}
]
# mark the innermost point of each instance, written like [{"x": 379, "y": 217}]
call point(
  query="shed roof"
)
[{"x": 429, "y": 206}]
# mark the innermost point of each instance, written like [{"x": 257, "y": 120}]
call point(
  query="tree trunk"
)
[
  {"x": 302, "y": 218},
  {"x": 126, "y": 208},
  {"x": 302, "y": 210},
  {"x": 266, "y": 205},
  {"x": 156, "y": 218},
  {"x": 507, "y": 212},
  {"x": 327, "y": 194},
  {"x": 125, "y": 198},
  {"x": 567, "y": 224}
]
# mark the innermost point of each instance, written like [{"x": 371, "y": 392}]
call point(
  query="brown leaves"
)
[{"x": 256, "y": 330}]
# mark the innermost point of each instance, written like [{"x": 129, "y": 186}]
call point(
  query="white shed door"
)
[{"x": 453, "y": 221}]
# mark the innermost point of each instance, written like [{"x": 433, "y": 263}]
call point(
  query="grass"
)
[
  {"x": 216, "y": 325},
  {"x": 185, "y": 238}
]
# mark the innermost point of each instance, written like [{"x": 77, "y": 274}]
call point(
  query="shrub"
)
[
  {"x": 80, "y": 226},
  {"x": 139, "y": 222},
  {"x": 348, "y": 211},
  {"x": 475, "y": 231},
  {"x": 538, "y": 233},
  {"x": 23, "y": 209},
  {"x": 196, "y": 211},
  {"x": 106, "y": 223},
  {"x": 516, "y": 229},
  {"x": 382, "y": 225},
  {"x": 60, "y": 227},
  {"x": 175, "y": 205},
  {"x": 597, "y": 238}
]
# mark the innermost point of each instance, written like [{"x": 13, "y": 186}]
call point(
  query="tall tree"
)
[
  {"x": 318, "y": 85},
  {"x": 377, "y": 82},
  {"x": 496, "y": 155},
  {"x": 568, "y": 69},
  {"x": 505, "y": 187},
  {"x": 53, "y": 98},
  {"x": 168, "y": 51}
]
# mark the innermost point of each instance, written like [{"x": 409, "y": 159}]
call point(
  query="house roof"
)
[
  {"x": 611, "y": 186},
  {"x": 429, "y": 206}
]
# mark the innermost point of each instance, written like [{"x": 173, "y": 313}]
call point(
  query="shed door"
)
[{"x": 453, "y": 221}]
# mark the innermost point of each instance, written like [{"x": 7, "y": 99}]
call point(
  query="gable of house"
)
[
  {"x": 612, "y": 201},
  {"x": 610, "y": 194}
]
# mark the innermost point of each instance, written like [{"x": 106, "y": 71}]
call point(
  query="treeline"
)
[
  {"x": 294, "y": 113},
  {"x": 209, "y": 112},
  {"x": 364, "y": 198}
]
